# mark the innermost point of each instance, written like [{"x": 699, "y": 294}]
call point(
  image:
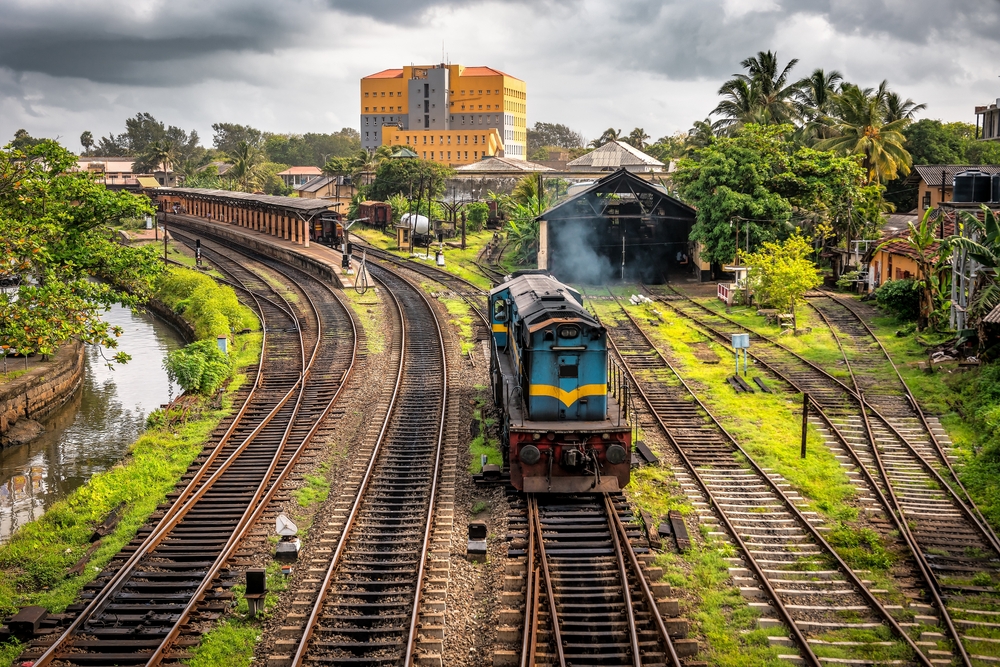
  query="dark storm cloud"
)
[
  {"x": 394, "y": 11},
  {"x": 685, "y": 40},
  {"x": 158, "y": 44}
]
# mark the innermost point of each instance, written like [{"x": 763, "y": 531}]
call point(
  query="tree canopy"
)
[
  {"x": 405, "y": 177},
  {"x": 543, "y": 135},
  {"x": 54, "y": 238},
  {"x": 780, "y": 273},
  {"x": 763, "y": 182}
]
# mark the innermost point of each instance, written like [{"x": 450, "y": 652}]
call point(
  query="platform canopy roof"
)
[
  {"x": 615, "y": 189},
  {"x": 297, "y": 204}
]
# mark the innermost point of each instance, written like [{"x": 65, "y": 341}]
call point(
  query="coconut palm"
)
[
  {"x": 928, "y": 252},
  {"x": 762, "y": 95},
  {"x": 247, "y": 160},
  {"x": 637, "y": 138},
  {"x": 860, "y": 128},
  {"x": 158, "y": 156},
  {"x": 897, "y": 109},
  {"x": 814, "y": 103},
  {"x": 609, "y": 135},
  {"x": 699, "y": 136}
]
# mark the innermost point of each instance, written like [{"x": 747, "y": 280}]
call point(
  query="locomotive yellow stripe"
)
[
  {"x": 499, "y": 328},
  {"x": 568, "y": 397}
]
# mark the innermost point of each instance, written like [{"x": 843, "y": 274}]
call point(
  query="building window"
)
[
  {"x": 366, "y": 108},
  {"x": 425, "y": 141},
  {"x": 383, "y": 93},
  {"x": 480, "y": 92},
  {"x": 449, "y": 155},
  {"x": 927, "y": 200},
  {"x": 480, "y": 107},
  {"x": 466, "y": 155},
  {"x": 390, "y": 93},
  {"x": 475, "y": 155},
  {"x": 441, "y": 155},
  {"x": 425, "y": 155},
  {"x": 475, "y": 138}
]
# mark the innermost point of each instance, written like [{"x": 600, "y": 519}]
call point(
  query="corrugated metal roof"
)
[
  {"x": 931, "y": 173},
  {"x": 386, "y": 74},
  {"x": 148, "y": 182},
  {"x": 494, "y": 163},
  {"x": 291, "y": 171},
  {"x": 291, "y": 203},
  {"x": 615, "y": 154}
]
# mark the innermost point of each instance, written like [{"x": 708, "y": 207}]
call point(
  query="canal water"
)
[{"x": 94, "y": 430}]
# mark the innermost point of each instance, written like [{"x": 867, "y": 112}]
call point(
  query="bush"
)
[
  {"x": 200, "y": 367},
  {"x": 900, "y": 298},
  {"x": 848, "y": 281},
  {"x": 212, "y": 309},
  {"x": 476, "y": 214}
]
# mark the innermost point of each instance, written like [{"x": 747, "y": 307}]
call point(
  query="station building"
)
[
  {"x": 448, "y": 103},
  {"x": 620, "y": 227}
]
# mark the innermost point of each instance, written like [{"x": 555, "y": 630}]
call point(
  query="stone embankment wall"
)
[{"x": 44, "y": 388}]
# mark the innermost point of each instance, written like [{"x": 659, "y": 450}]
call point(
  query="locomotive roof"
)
[{"x": 541, "y": 299}]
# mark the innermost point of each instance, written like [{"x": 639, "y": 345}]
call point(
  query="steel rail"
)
[
  {"x": 312, "y": 621},
  {"x": 623, "y": 573},
  {"x": 173, "y": 514},
  {"x": 891, "y": 505},
  {"x": 259, "y": 504},
  {"x": 531, "y": 593},
  {"x": 646, "y": 590},
  {"x": 851, "y": 394},
  {"x": 978, "y": 517},
  {"x": 553, "y": 611},
  {"x": 896, "y": 508},
  {"x": 811, "y": 657}
]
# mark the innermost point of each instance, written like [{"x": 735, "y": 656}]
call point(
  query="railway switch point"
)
[{"x": 476, "y": 549}]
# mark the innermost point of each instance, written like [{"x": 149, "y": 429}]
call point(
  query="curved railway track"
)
[
  {"x": 582, "y": 571},
  {"x": 367, "y": 604},
  {"x": 175, "y": 569},
  {"x": 824, "y": 604},
  {"x": 954, "y": 552}
]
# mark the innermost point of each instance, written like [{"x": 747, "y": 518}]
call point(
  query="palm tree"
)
[
  {"x": 365, "y": 163},
  {"x": 897, "y": 109},
  {"x": 814, "y": 102},
  {"x": 609, "y": 135},
  {"x": 637, "y": 138},
  {"x": 247, "y": 160},
  {"x": 699, "y": 136},
  {"x": 923, "y": 241},
  {"x": 860, "y": 128},
  {"x": 763, "y": 95}
]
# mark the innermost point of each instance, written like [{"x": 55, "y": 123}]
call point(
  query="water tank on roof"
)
[
  {"x": 972, "y": 185},
  {"x": 996, "y": 188}
]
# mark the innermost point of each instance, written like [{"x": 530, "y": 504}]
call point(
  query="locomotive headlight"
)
[
  {"x": 615, "y": 454},
  {"x": 536, "y": 436},
  {"x": 530, "y": 455}
]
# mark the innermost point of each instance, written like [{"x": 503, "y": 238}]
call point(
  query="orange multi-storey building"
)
[{"x": 480, "y": 108}]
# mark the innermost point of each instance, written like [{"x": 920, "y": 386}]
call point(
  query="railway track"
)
[
  {"x": 367, "y": 604},
  {"x": 587, "y": 601},
  {"x": 469, "y": 292},
  {"x": 954, "y": 552},
  {"x": 175, "y": 570},
  {"x": 827, "y": 608}
]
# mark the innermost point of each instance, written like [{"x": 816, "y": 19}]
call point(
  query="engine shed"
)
[{"x": 620, "y": 228}]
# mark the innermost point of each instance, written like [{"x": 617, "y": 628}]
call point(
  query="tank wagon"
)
[{"x": 562, "y": 430}]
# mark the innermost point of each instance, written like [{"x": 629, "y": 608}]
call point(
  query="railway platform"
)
[{"x": 327, "y": 261}]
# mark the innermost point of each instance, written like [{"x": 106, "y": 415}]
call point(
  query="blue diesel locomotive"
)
[{"x": 562, "y": 431}]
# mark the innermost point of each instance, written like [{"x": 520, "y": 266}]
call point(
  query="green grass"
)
[
  {"x": 230, "y": 643},
  {"x": 461, "y": 317},
  {"x": 479, "y": 507},
  {"x": 35, "y": 561},
  {"x": 184, "y": 255},
  {"x": 316, "y": 489},
  {"x": 716, "y": 610},
  {"x": 483, "y": 443},
  {"x": 367, "y": 308},
  {"x": 11, "y": 375}
]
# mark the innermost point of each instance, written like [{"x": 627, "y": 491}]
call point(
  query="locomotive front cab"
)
[{"x": 569, "y": 374}]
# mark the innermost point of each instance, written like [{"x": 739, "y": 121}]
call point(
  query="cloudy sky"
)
[{"x": 294, "y": 65}]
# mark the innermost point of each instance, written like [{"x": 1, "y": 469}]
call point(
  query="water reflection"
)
[{"x": 95, "y": 428}]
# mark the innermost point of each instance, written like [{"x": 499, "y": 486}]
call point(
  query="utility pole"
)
[
  {"x": 463, "y": 230},
  {"x": 941, "y": 207}
]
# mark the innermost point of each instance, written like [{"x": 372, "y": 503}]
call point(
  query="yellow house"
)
[{"x": 445, "y": 102}]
